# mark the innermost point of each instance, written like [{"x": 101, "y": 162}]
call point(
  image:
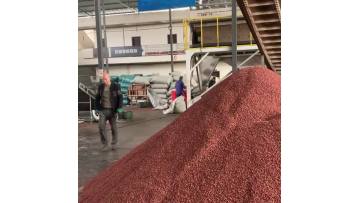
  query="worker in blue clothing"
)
[{"x": 179, "y": 86}]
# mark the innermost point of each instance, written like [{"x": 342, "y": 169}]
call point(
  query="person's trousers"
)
[
  {"x": 108, "y": 115},
  {"x": 178, "y": 94}
]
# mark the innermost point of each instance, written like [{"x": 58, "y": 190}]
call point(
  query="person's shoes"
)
[{"x": 105, "y": 148}]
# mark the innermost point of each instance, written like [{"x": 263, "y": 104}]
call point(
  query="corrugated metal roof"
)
[{"x": 87, "y": 7}]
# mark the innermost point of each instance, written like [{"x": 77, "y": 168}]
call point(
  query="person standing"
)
[
  {"x": 179, "y": 86},
  {"x": 108, "y": 103}
]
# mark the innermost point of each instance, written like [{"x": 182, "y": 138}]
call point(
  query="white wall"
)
[
  {"x": 84, "y": 40},
  {"x": 82, "y": 60},
  {"x": 134, "y": 19},
  {"x": 162, "y": 69},
  {"x": 150, "y": 34},
  {"x": 153, "y": 39},
  {"x": 115, "y": 37},
  {"x": 153, "y": 30},
  {"x": 153, "y": 17}
]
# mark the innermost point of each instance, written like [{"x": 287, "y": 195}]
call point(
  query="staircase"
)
[
  {"x": 86, "y": 115},
  {"x": 264, "y": 20},
  {"x": 87, "y": 90}
]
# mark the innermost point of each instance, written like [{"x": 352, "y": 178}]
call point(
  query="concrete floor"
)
[{"x": 91, "y": 160}]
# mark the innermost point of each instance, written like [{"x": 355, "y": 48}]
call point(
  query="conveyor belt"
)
[{"x": 264, "y": 20}]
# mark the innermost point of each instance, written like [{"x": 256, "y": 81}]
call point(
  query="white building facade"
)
[{"x": 138, "y": 43}]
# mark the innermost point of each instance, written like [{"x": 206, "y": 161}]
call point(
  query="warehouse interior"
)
[
  {"x": 180, "y": 101},
  {"x": 147, "y": 53}
]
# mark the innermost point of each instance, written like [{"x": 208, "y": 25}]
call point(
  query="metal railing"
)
[
  {"x": 162, "y": 49},
  {"x": 201, "y": 21},
  {"x": 91, "y": 94}
]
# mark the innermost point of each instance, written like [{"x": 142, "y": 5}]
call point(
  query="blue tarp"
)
[{"x": 149, "y": 5}]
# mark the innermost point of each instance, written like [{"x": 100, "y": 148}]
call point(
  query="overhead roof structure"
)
[
  {"x": 87, "y": 7},
  {"x": 262, "y": 16},
  {"x": 208, "y": 4},
  {"x": 264, "y": 20}
]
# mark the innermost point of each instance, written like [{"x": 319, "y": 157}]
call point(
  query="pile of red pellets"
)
[{"x": 225, "y": 148}]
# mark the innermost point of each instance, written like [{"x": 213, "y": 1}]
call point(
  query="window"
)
[
  {"x": 136, "y": 41},
  {"x": 174, "y": 38}
]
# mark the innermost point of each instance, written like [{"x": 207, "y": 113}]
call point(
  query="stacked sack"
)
[
  {"x": 159, "y": 85},
  {"x": 145, "y": 80},
  {"x": 124, "y": 82}
]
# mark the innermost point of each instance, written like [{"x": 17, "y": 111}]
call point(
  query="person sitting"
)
[{"x": 179, "y": 86}]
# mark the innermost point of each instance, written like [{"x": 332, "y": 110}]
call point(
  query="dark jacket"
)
[{"x": 115, "y": 96}]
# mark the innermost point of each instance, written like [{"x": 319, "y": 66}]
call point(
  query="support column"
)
[
  {"x": 91, "y": 118},
  {"x": 188, "y": 56},
  {"x": 234, "y": 35},
  {"x": 98, "y": 34},
  {"x": 171, "y": 42},
  {"x": 217, "y": 32},
  {"x": 106, "y": 54}
]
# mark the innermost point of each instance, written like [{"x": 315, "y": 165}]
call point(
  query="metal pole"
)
[
  {"x": 123, "y": 36},
  {"x": 91, "y": 118},
  {"x": 188, "y": 76},
  {"x": 198, "y": 72},
  {"x": 248, "y": 59},
  {"x": 98, "y": 34},
  {"x": 217, "y": 32},
  {"x": 171, "y": 42},
  {"x": 234, "y": 36},
  {"x": 105, "y": 37},
  {"x": 251, "y": 38},
  {"x": 201, "y": 32}
]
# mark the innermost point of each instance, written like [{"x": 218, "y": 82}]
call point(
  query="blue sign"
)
[{"x": 149, "y": 5}]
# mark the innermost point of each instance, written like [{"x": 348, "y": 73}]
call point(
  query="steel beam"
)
[
  {"x": 125, "y": 5},
  {"x": 234, "y": 35},
  {"x": 82, "y": 10},
  {"x": 98, "y": 34},
  {"x": 198, "y": 63},
  {"x": 248, "y": 59},
  {"x": 171, "y": 42},
  {"x": 105, "y": 38},
  {"x": 258, "y": 4}
]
